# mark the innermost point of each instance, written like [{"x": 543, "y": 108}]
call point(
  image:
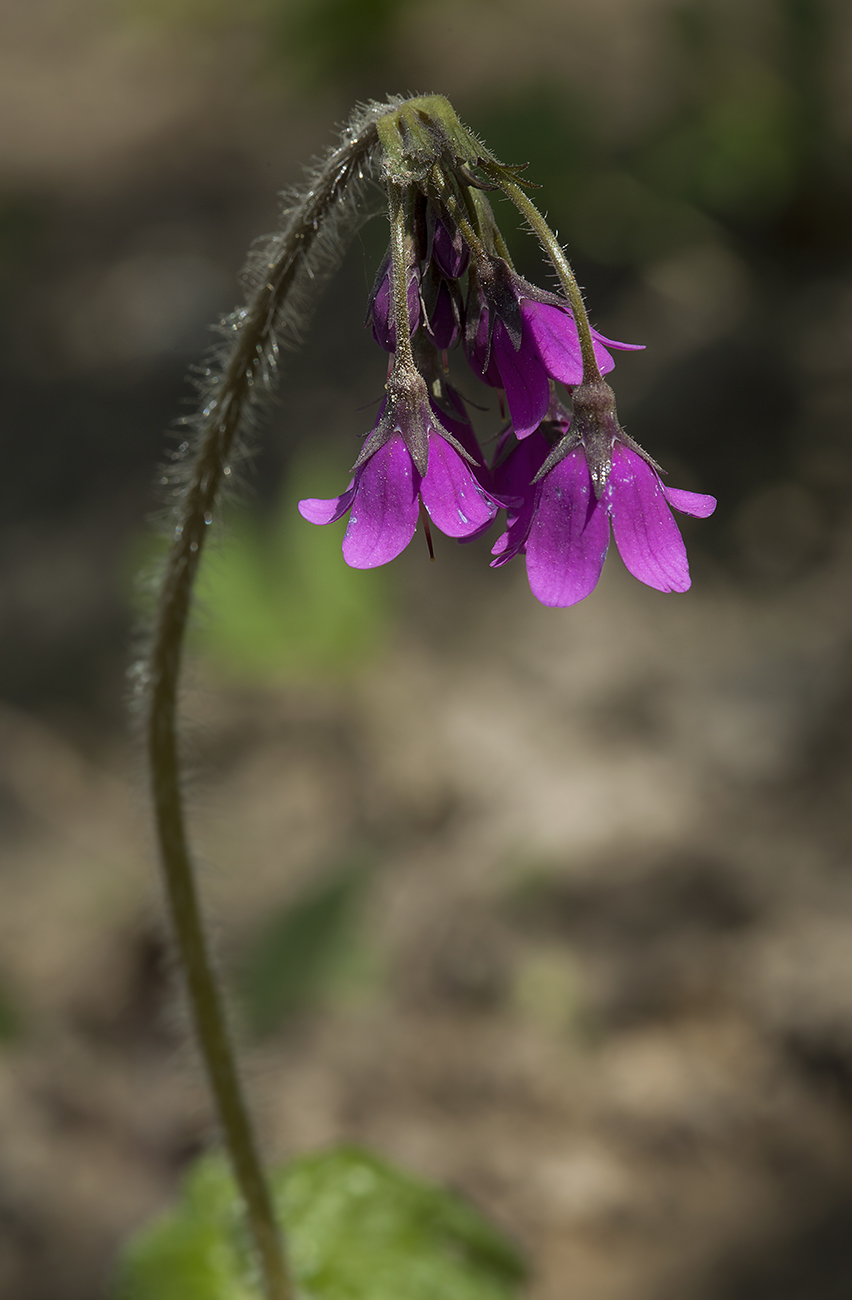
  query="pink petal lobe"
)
[
  {"x": 614, "y": 343},
  {"x": 646, "y": 534},
  {"x": 460, "y": 427},
  {"x": 318, "y": 511},
  {"x": 524, "y": 378},
  {"x": 557, "y": 341},
  {"x": 690, "y": 503},
  {"x": 569, "y": 535},
  {"x": 455, "y": 501},
  {"x": 513, "y": 482},
  {"x": 385, "y": 508}
]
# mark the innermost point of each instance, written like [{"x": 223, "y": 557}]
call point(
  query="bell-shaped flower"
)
[
  {"x": 562, "y": 518},
  {"x": 417, "y": 453},
  {"x": 519, "y": 338}
]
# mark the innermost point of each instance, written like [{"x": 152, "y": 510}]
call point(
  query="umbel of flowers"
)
[{"x": 564, "y": 469}]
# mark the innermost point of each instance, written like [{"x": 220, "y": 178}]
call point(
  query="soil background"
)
[{"x": 551, "y": 906}]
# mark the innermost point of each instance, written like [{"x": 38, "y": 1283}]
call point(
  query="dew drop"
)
[
  {"x": 208, "y": 518},
  {"x": 193, "y": 546}
]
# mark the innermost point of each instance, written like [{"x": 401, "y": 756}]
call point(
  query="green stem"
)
[
  {"x": 402, "y": 259},
  {"x": 471, "y": 237},
  {"x": 204, "y": 996},
  {"x": 553, "y": 249},
  {"x": 296, "y": 258}
]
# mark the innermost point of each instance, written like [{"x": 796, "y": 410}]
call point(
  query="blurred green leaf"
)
[
  {"x": 357, "y": 1229},
  {"x": 277, "y": 602},
  {"x": 298, "y": 952},
  {"x": 362, "y": 1230},
  {"x": 282, "y": 602},
  {"x": 194, "y": 1253}
]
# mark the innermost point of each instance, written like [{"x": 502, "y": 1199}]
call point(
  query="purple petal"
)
[
  {"x": 558, "y": 343},
  {"x": 524, "y": 378},
  {"x": 318, "y": 511},
  {"x": 556, "y": 339},
  {"x": 385, "y": 509},
  {"x": 460, "y": 427},
  {"x": 513, "y": 542},
  {"x": 451, "y": 494},
  {"x": 513, "y": 480},
  {"x": 613, "y": 343},
  {"x": 646, "y": 534},
  {"x": 690, "y": 503},
  {"x": 569, "y": 536}
]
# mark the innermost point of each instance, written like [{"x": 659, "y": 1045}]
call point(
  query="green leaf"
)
[
  {"x": 279, "y": 603},
  {"x": 357, "y": 1229},
  {"x": 361, "y": 1230},
  {"x": 196, "y": 1252}
]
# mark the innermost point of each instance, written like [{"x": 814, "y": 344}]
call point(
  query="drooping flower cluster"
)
[{"x": 563, "y": 476}]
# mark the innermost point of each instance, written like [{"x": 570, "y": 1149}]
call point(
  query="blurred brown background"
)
[{"x": 554, "y": 906}]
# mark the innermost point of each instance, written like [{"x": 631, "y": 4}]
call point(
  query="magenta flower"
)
[
  {"x": 419, "y": 456},
  {"x": 519, "y": 338},
  {"x": 562, "y": 521}
]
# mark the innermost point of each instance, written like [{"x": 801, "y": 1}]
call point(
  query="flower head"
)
[
  {"x": 417, "y": 453},
  {"x": 569, "y": 495},
  {"x": 570, "y": 479}
]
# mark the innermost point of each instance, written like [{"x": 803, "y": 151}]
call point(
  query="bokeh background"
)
[{"x": 553, "y": 906}]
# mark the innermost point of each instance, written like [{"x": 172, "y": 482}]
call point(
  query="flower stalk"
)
[
  {"x": 281, "y": 276},
  {"x": 554, "y": 250}
]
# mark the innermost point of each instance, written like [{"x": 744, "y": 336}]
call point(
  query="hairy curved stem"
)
[
  {"x": 286, "y": 270},
  {"x": 553, "y": 249}
]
